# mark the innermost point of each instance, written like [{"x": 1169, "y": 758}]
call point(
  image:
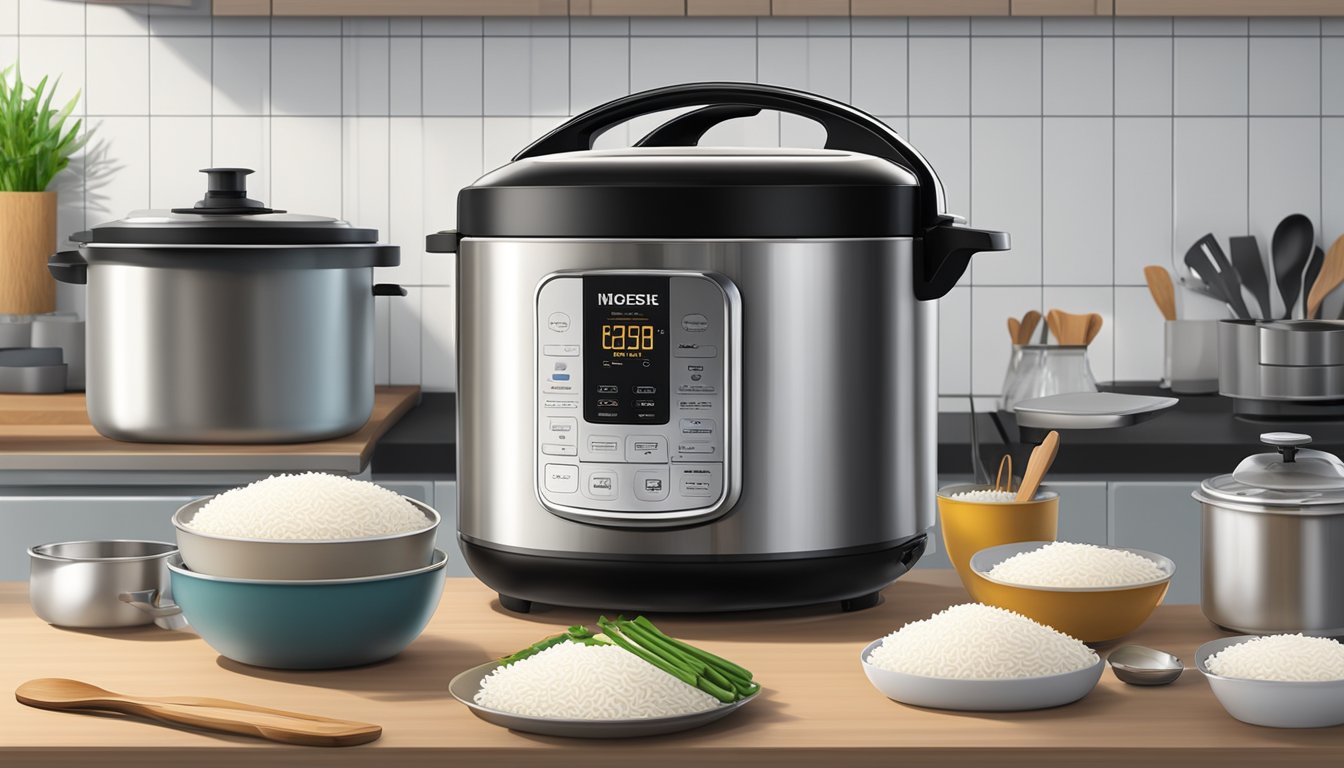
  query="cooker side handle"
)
[
  {"x": 68, "y": 267},
  {"x": 941, "y": 259}
]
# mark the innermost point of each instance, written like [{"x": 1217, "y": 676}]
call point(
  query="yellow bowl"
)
[
  {"x": 1090, "y": 614},
  {"x": 970, "y": 526}
]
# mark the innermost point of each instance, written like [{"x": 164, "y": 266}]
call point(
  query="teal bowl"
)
[{"x": 314, "y": 624}]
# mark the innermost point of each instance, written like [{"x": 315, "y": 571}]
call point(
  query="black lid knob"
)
[{"x": 226, "y": 193}]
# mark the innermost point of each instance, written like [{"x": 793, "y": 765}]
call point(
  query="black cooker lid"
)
[
  {"x": 694, "y": 192},
  {"x": 225, "y": 216}
]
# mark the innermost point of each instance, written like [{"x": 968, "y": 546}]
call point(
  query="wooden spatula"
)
[
  {"x": 1068, "y": 329},
  {"x": 1093, "y": 327},
  {"x": 1029, "y": 323},
  {"x": 211, "y": 714},
  {"x": 1164, "y": 293},
  {"x": 1015, "y": 330},
  {"x": 1330, "y": 277},
  {"x": 1042, "y": 456}
]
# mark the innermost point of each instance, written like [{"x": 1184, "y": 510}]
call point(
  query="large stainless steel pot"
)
[
  {"x": 1273, "y": 531},
  {"x": 228, "y": 322},
  {"x": 768, "y": 437}
]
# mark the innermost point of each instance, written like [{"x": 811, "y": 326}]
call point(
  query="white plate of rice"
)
[
  {"x": 979, "y": 658},
  {"x": 594, "y": 692},
  {"x": 1278, "y": 681}
]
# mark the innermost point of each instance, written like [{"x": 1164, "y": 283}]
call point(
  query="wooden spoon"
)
[
  {"x": 1042, "y": 456},
  {"x": 1093, "y": 327},
  {"x": 1068, "y": 329},
  {"x": 1330, "y": 277},
  {"x": 1164, "y": 294},
  {"x": 1029, "y": 323},
  {"x": 211, "y": 714},
  {"x": 1015, "y": 330}
]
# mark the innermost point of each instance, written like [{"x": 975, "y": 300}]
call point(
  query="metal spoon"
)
[{"x": 1141, "y": 665}]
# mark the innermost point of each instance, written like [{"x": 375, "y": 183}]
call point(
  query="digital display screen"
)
[{"x": 625, "y": 363}]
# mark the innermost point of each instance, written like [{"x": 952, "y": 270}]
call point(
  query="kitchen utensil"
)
[
  {"x": 465, "y": 685},
  {"x": 228, "y": 322},
  {"x": 1309, "y": 274},
  {"x": 1029, "y": 323},
  {"x": 1042, "y": 456},
  {"x": 32, "y": 370},
  {"x": 991, "y": 695},
  {"x": 1190, "y": 359},
  {"x": 1273, "y": 703},
  {"x": 1089, "y": 410},
  {"x": 1194, "y": 285},
  {"x": 1269, "y": 541},
  {"x": 1068, "y": 329},
  {"x": 1014, "y": 329},
  {"x": 308, "y": 624},
  {"x": 1091, "y": 614},
  {"x": 293, "y": 559},
  {"x": 78, "y": 583},
  {"x": 197, "y": 712},
  {"x": 724, "y": 261},
  {"x": 1206, "y": 258},
  {"x": 1164, "y": 294},
  {"x": 1003, "y": 480},
  {"x": 1250, "y": 267},
  {"x": 1330, "y": 277},
  {"x": 1294, "y": 238},
  {"x": 969, "y": 526},
  {"x": 1093, "y": 328},
  {"x": 64, "y": 331},
  {"x": 1039, "y": 371},
  {"x": 1141, "y": 665}
]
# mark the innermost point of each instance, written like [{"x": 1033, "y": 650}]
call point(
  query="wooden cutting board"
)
[{"x": 52, "y": 432}]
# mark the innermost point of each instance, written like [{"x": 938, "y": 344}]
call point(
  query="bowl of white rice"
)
[
  {"x": 1090, "y": 592},
  {"x": 307, "y": 526},
  {"x": 977, "y": 657},
  {"x": 1278, "y": 681}
]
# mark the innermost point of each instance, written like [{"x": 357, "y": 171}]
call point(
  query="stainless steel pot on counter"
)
[
  {"x": 701, "y": 378},
  {"x": 1273, "y": 534},
  {"x": 228, "y": 322}
]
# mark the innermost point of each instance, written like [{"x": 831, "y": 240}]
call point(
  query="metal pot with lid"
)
[
  {"x": 228, "y": 321},
  {"x": 1272, "y": 531}
]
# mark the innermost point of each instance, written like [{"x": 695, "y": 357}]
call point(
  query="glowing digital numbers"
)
[{"x": 627, "y": 337}]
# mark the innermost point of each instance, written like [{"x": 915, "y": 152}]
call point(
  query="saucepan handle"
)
[
  {"x": 166, "y": 613},
  {"x": 68, "y": 267}
]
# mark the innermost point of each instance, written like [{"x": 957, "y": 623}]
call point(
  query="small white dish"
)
[
  {"x": 1273, "y": 703},
  {"x": 982, "y": 695}
]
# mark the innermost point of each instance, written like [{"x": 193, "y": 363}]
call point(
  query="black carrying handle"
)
[
  {"x": 946, "y": 247},
  {"x": 68, "y": 267},
  {"x": 388, "y": 289}
]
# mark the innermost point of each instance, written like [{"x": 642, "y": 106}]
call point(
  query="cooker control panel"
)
[{"x": 637, "y": 396}]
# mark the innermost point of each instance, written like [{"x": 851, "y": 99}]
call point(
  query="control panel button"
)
[
  {"x": 651, "y": 484},
  {"x": 558, "y": 322},
  {"x": 697, "y": 426},
  {"x": 608, "y": 403},
  {"x": 562, "y": 478},
  {"x": 562, "y": 424},
  {"x": 695, "y": 405},
  {"x": 559, "y": 384},
  {"x": 697, "y": 389},
  {"x": 560, "y": 350},
  {"x": 607, "y": 389},
  {"x": 696, "y": 323},
  {"x": 646, "y": 390},
  {"x": 646, "y": 404},
  {"x": 697, "y": 447},
  {"x": 601, "y": 484},
  {"x": 646, "y": 449},
  {"x": 686, "y": 349},
  {"x": 604, "y": 444},
  {"x": 558, "y": 449},
  {"x": 560, "y": 404},
  {"x": 699, "y": 480}
]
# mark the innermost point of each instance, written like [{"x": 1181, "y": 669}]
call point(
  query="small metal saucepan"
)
[{"x": 90, "y": 584}]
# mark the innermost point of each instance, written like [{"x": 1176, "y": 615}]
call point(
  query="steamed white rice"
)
[
  {"x": 572, "y": 681},
  {"x": 1066, "y": 564},
  {"x": 986, "y": 494},
  {"x": 1281, "y": 657},
  {"x": 310, "y": 506},
  {"x": 974, "y": 641}
]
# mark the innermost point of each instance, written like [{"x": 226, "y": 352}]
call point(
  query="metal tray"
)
[{"x": 465, "y": 685}]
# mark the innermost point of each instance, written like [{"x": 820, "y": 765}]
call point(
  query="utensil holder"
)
[
  {"x": 1190, "y": 362},
  {"x": 970, "y": 526},
  {"x": 1041, "y": 370}
]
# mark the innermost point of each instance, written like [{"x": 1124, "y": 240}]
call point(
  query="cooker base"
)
[{"x": 852, "y": 578}]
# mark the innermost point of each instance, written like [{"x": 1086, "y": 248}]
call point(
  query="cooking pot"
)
[
  {"x": 1272, "y": 534},
  {"x": 228, "y": 322},
  {"x": 696, "y": 378}
]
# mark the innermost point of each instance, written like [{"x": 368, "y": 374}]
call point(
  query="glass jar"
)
[{"x": 1040, "y": 370}]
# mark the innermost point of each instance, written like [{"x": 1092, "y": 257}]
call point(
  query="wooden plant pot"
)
[{"x": 27, "y": 238}]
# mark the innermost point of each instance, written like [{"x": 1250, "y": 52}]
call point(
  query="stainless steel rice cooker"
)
[
  {"x": 1273, "y": 531},
  {"x": 697, "y": 378},
  {"x": 228, "y": 322}
]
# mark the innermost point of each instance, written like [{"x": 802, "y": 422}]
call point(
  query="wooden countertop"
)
[
  {"x": 53, "y": 433},
  {"x": 816, "y": 706}
]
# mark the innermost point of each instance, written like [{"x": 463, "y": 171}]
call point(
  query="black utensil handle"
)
[
  {"x": 68, "y": 267},
  {"x": 388, "y": 289},
  {"x": 687, "y": 130},
  {"x": 846, "y": 128}
]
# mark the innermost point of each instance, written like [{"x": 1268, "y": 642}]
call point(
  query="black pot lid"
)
[{"x": 225, "y": 216}]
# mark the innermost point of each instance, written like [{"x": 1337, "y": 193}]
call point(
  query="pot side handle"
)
[
  {"x": 166, "y": 613},
  {"x": 68, "y": 267},
  {"x": 388, "y": 289}
]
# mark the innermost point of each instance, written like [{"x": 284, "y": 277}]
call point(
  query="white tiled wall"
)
[{"x": 1101, "y": 145}]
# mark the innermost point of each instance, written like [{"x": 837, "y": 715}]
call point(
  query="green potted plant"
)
[{"x": 35, "y": 145}]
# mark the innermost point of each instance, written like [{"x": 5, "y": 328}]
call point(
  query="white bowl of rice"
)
[
  {"x": 307, "y": 526},
  {"x": 976, "y": 657},
  {"x": 1278, "y": 681}
]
